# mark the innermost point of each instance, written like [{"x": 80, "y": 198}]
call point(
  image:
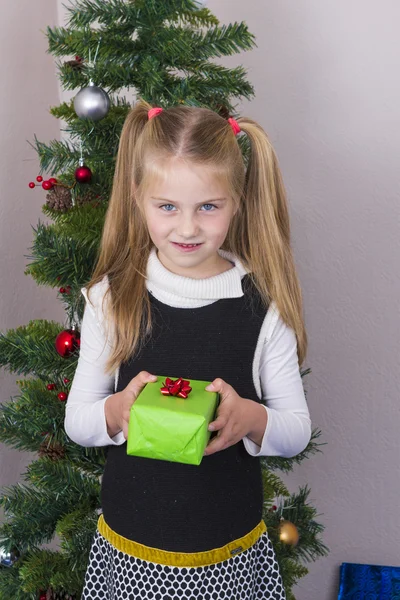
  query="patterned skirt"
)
[{"x": 245, "y": 569}]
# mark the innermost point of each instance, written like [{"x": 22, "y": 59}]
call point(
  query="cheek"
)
[
  {"x": 155, "y": 223},
  {"x": 219, "y": 227}
]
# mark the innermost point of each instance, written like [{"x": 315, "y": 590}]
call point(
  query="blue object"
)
[{"x": 369, "y": 582}]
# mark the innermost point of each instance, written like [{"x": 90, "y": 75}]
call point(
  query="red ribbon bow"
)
[{"x": 180, "y": 387}]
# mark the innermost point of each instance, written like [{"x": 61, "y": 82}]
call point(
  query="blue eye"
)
[
  {"x": 165, "y": 205},
  {"x": 212, "y": 205}
]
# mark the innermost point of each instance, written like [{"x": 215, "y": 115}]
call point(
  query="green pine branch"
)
[
  {"x": 10, "y": 584},
  {"x": 57, "y": 155},
  {"x": 31, "y": 516},
  {"x": 287, "y": 464},
  {"x": 76, "y": 530},
  {"x": 297, "y": 509},
  {"x": 86, "y": 12},
  {"x": 53, "y": 475},
  {"x": 29, "y": 349},
  {"x": 57, "y": 257},
  {"x": 272, "y": 486},
  {"x": 25, "y": 419},
  {"x": 40, "y": 569}
]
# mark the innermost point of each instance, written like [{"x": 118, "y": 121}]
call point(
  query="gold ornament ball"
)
[{"x": 288, "y": 533}]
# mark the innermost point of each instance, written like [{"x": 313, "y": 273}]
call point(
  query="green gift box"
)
[{"x": 169, "y": 427}]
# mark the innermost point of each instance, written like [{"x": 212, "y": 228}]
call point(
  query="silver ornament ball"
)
[
  {"x": 92, "y": 102},
  {"x": 7, "y": 559}
]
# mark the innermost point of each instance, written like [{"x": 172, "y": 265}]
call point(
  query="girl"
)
[{"x": 195, "y": 278}]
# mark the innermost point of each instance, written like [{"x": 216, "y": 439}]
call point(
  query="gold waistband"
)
[{"x": 180, "y": 559}]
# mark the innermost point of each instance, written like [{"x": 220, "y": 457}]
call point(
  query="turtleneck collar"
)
[{"x": 186, "y": 292}]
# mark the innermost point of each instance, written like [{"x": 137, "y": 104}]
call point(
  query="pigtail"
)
[
  {"x": 260, "y": 232},
  {"x": 124, "y": 250}
]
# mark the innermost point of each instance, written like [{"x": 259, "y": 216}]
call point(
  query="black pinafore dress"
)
[{"x": 172, "y": 531}]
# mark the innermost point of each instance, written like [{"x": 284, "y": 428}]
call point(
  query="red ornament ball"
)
[
  {"x": 83, "y": 174},
  {"x": 42, "y": 596},
  {"x": 53, "y": 180},
  {"x": 66, "y": 380},
  {"x": 62, "y": 396},
  {"x": 39, "y": 178},
  {"x": 32, "y": 184},
  {"x": 51, "y": 386},
  {"x": 67, "y": 342},
  {"x": 62, "y": 290},
  {"x": 46, "y": 185}
]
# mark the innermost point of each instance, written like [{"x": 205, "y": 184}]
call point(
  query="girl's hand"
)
[
  {"x": 117, "y": 407},
  {"x": 236, "y": 418}
]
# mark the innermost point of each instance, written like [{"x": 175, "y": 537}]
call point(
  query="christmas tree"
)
[{"x": 162, "y": 51}]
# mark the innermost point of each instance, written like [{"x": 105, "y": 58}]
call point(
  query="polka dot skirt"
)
[{"x": 251, "y": 575}]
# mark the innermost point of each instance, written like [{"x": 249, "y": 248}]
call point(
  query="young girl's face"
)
[{"x": 188, "y": 216}]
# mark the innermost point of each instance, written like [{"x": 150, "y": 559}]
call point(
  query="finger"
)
[
  {"x": 218, "y": 443},
  {"x": 138, "y": 383},
  {"x": 219, "y": 422},
  {"x": 220, "y": 386}
]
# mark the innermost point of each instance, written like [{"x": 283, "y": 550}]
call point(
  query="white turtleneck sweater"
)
[{"x": 275, "y": 368}]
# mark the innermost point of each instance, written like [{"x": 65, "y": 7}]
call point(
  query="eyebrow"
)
[{"x": 203, "y": 202}]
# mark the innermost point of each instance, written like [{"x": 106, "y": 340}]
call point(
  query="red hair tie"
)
[
  {"x": 153, "y": 112},
  {"x": 235, "y": 125}
]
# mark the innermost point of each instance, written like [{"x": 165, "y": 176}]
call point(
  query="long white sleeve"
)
[
  {"x": 85, "y": 421},
  {"x": 288, "y": 429}
]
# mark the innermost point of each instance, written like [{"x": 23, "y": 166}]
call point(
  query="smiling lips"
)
[{"x": 186, "y": 247}]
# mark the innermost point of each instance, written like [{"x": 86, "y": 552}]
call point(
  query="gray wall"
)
[
  {"x": 29, "y": 88},
  {"x": 328, "y": 94}
]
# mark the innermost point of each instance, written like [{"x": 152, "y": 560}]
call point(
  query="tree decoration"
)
[
  {"x": 54, "y": 451},
  {"x": 76, "y": 64},
  {"x": 46, "y": 184},
  {"x": 67, "y": 342},
  {"x": 88, "y": 197},
  {"x": 59, "y": 198},
  {"x": 288, "y": 533},
  {"x": 83, "y": 174},
  {"x": 92, "y": 102},
  {"x": 8, "y": 557},
  {"x": 49, "y": 184},
  {"x": 65, "y": 290}
]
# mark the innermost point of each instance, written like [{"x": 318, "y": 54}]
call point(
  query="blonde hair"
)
[{"x": 259, "y": 232}]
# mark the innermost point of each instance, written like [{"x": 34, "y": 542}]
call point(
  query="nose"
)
[{"x": 188, "y": 228}]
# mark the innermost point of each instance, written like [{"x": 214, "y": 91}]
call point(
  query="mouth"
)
[{"x": 186, "y": 247}]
